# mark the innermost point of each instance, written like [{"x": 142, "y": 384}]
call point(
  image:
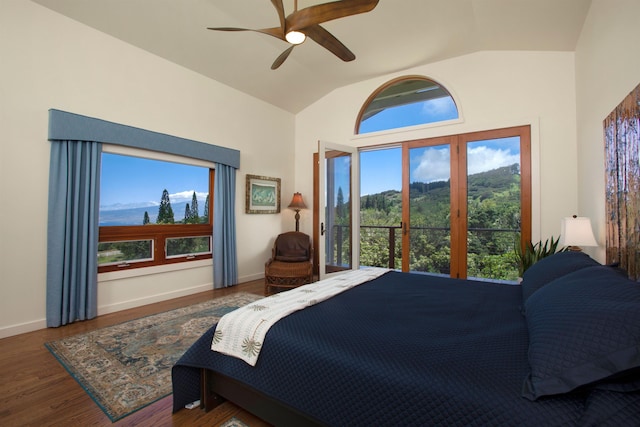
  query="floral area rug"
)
[{"x": 126, "y": 367}]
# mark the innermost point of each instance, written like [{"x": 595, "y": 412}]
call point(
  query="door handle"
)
[
  {"x": 322, "y": 228},
  {"x": 405, "y": 229}
]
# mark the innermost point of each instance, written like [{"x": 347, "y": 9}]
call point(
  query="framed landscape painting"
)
[{"x": 263, "y": 195}]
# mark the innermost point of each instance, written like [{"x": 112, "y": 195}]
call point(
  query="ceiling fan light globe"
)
[{"x": 295, "y": 37}]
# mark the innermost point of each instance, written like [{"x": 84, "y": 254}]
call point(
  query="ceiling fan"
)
[{"x": 304, "y": 23}]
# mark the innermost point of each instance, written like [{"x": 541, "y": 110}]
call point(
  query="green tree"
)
[
  {"x": 165, "y": 212},
  {"x": 340, "y": 207},
  {"x": 187, "y": 214},
  {"x": 194, "y": 217},
  {"x": 205, "y": 215},
  {"x": 493, "y": 206},
  {"x": 138, "y": 249},
  {"x": 146, "y": 219}
]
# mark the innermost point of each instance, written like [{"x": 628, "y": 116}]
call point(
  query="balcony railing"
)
[{"x": 490, "y": 250}]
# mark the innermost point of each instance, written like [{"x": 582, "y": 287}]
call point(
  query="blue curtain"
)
[
  {"x": 72, "y": 234},
  {"x": 225, "y": 260}
]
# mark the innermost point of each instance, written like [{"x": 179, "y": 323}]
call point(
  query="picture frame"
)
[{"x": 262, "y": 195}]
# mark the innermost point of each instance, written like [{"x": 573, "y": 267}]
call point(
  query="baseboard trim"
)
[
  {"x": 125, "y": 305},
  {"x": 23, "y": 328},
  {"x": 250, "y": 277},
  {"x": 133, "y": 303}
]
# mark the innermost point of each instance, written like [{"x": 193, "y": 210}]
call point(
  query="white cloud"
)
[
  {"x": 186, "y": 196},
  {"x": 483, "y": 158},
  {"x": 434, "y": 164},
  {"x": 438, "y": 107}
]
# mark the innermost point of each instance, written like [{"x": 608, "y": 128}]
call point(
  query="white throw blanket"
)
[{"x": 241, "y": 333}]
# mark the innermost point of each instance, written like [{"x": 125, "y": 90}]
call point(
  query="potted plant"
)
[{"x": 533, "y": 253}]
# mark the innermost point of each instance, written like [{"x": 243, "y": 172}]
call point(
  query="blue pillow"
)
[
  {"x": 552, "y": 267},
  {"x": 584, "y": 329}
]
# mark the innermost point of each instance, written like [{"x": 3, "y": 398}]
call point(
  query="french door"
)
[
  {"x": 465, "y": 204},
  {"x": 337, "y": 227}
]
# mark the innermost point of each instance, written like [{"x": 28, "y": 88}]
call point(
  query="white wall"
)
[
  {"x": 607, "y": 69},
  {"x": 50, "y": 61},
  {"x": 492, "y": 90}
]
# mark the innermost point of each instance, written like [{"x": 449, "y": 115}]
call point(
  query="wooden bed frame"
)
[{"x": 215, "y": 388}]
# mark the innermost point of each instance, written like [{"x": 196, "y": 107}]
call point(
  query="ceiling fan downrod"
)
[{"x": 295, "y": 37}]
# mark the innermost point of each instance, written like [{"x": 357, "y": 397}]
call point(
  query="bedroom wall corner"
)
[{"x": 607, "y": 69}]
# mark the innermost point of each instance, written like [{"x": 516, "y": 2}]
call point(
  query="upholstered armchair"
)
[{"x": 291, "y": 262}]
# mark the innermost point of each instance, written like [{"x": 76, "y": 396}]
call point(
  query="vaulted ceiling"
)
[{"x": 396, "y": 35}]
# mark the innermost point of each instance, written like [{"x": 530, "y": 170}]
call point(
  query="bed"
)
[{"x": 561, "y": 349}]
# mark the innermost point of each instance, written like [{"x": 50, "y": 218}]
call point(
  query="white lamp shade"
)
[{"x": 576, "y": 231}]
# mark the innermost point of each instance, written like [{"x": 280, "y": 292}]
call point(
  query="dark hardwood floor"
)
[{"x": 35, "y": 390}]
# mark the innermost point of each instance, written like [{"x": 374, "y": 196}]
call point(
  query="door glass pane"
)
[
  {"x": 493, "y": 207},
  {"x": 429, "y": 209},
  {"x": 381, "y": 208},
  {"x": 338, "y": 211}
]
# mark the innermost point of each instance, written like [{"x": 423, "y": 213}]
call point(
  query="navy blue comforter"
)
[{"x": 405, "y": 349}]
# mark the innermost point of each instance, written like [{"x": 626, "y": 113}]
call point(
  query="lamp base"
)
[{"x": 297, "y": 219}]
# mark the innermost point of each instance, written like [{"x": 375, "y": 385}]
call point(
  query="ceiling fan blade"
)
[
  {"x": 276, "y": 32},
  {"x": 320, "y": 13},
  {"x": 327, "y": 40},
  {"x": 280, "y": 9},
  {"x": 308, "y": 20},
  {"x": 283, "y": 56}
]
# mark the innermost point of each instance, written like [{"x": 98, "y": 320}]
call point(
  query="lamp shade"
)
[
  {"x": 296, "y": 202},
  {"x": 576, "y": 231}
]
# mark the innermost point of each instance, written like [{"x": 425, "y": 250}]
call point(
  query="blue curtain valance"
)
[{"x": 64, "y": 126}]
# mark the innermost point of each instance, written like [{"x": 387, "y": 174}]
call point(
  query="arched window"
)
[{"x": 406, "y": 101}]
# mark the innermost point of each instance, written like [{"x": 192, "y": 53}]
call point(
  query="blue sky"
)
[
  {"x": 128, "y": 182},
  {"x": 134, "y": 182},
  {"x": 435, "y": 110},
  {"x": 381, "y": 170}
]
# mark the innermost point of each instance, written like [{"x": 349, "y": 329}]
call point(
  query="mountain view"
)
[
  {"x": 118, "y": 215},
  {"x": 493, "y": 205}
]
